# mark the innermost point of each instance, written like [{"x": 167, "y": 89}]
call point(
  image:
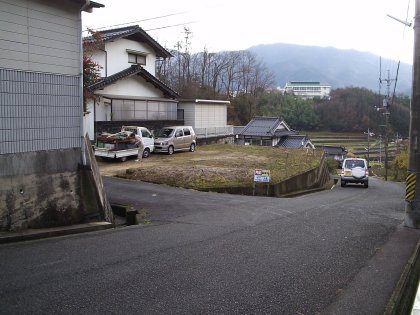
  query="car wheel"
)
[
  {"x": 192, "y": 147},
  {"x": 146, "y": 153},
  {"x": 171, "y": 150},
  {"x": 343, "y": 183},
  {"x": 366, "y": 184},
  {"x": 123, "y": 159}
]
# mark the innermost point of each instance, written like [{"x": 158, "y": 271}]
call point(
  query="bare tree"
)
[{"x": 223, "y": 75}]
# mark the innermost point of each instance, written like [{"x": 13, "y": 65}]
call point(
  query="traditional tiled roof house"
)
[{"x": 128, "y": 92}]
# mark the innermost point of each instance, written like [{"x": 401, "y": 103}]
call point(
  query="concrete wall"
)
[
  {"x": 40, "y": 189},
  {"x": 50, "y": 188},
  {"x": 316, "y": 178},
  {"x": 216, "y": 140}
]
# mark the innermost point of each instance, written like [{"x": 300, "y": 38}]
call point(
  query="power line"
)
[
  {"x": 148, "y": 19},
  {"x": 159, "y": 28}
]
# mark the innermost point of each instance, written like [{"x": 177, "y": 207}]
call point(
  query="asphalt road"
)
[{"x": 334, "y": 252}]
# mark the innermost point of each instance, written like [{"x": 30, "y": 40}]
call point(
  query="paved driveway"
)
[{"x": 338, "y": 252}]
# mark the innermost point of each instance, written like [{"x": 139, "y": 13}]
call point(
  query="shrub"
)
[
  {"x": 400, "y": 165},
  {"x": 331, "y": 164}
]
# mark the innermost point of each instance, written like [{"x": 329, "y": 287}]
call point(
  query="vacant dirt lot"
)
[{"x": 214, "y": 166}]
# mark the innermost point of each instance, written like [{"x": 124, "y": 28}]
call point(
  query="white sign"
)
[{"x": 262, "y": 176}]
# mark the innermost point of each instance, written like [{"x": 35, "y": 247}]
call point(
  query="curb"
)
[
  {"x": 34, "y": 234},
  {"x": 404, "y": 294}
]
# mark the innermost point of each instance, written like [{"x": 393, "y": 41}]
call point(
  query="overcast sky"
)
[{"x": 218, "y": 25}]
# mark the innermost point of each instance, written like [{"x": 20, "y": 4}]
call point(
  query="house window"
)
[{"x": 137, "y": 59}]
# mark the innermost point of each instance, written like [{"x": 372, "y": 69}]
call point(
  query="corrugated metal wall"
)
[{"x": 39, "y": 111}]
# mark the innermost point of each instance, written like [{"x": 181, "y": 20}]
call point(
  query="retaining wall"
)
[
  {"x": 314, "y": 178},
  {"x": 49, "y": 188}
]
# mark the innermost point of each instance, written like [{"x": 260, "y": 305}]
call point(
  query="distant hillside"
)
[{"x": 337, "y": 67}]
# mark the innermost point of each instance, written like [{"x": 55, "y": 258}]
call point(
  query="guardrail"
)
[{"x": 214, "y": 132}]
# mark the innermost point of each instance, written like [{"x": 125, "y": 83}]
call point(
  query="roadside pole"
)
[{"x": 412, "y": 195}]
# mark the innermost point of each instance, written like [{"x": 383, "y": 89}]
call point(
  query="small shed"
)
[{"x": 204, "y": 113}]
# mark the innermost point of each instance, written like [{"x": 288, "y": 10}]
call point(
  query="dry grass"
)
[{"x": 219, "y": 165}]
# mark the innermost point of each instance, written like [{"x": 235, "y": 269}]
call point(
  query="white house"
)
[
  {"x": 128, "y": 89},
  {"x": 129, "y": 93}
]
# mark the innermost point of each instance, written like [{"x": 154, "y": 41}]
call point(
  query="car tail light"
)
[{"x": 366, "y": 172}]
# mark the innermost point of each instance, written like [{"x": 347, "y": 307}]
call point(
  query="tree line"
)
[{"x": 238, "y": 76}]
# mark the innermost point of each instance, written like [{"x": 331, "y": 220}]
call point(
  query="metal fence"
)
[{"x": 211, "y": 132}]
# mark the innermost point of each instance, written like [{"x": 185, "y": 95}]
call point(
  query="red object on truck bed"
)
[{"x": 123, "y": 136}]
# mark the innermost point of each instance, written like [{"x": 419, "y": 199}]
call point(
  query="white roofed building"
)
[{"x": 308, "y": 89}]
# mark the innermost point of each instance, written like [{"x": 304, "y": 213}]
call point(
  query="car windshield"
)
[
  {"x": 354, "y": 163},
  {"x": 165, "y": 133}
]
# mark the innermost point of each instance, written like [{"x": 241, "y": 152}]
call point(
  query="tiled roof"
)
[
  {"x": 293, "y": 141},
  {"x": 135, "y": 70},
  {"x": 135, "y": 33},
  {"x": 88, "y": 6},
  {"x": 334, "y": 150},
  {"x": 237, "y": 129},
  {"x": 261, "y": 126},
  {"x": 284, "y": 132}
]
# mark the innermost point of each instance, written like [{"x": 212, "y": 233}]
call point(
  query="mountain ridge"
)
[{"x": 339, "y": 68}]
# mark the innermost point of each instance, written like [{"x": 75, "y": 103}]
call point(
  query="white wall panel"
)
[
  {"x": 131, "y": 87},
  {"x": 42, "y": 32},
  {"x": 118, "y": 56}
]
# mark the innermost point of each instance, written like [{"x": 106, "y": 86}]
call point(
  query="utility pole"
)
[
  {"x": 368, "y": 148},
  {"x": 385, "y": 105},
  {"x": 380, "y": 149},
  {"x": 412, "y": 193},
  {"x": 369, "y": 133}
]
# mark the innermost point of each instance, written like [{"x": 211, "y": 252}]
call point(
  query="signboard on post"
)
[{"x": 262, "y": 176}]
